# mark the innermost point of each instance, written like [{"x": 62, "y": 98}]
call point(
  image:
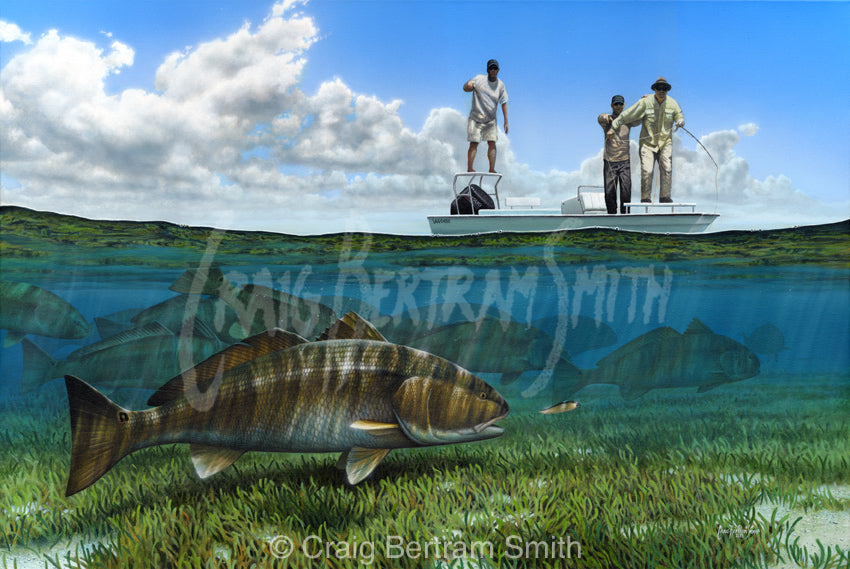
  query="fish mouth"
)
[
  {"x": 491, "y": 432},
  {"x": 489, "y": 426}
]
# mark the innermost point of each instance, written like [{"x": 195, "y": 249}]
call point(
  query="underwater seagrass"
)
[{"x": 351, "y": 392}]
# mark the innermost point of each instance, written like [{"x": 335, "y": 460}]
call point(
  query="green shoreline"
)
[{"x": 26, "y": 234}]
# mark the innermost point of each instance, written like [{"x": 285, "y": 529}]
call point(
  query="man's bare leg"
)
[
  {"x": 470, "y": 156},
  {"x": 491, "y": 154}
]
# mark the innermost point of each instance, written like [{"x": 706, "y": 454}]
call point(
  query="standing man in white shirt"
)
[{"x": 488, "y": 92}]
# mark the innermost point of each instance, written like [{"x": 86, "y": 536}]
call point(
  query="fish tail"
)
[
  {"x": 567, "y": 378},
  {"x": 38, "y": 367},
  {"x": 99, "y": 437}
]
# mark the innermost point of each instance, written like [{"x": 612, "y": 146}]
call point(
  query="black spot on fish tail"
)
[{"x": 98, "y": 440}]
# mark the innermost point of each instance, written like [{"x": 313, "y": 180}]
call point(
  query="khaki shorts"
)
[{"x": 480, "y": 131}]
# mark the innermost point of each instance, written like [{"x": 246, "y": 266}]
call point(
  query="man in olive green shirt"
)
[{"x": 657, "y": 114}]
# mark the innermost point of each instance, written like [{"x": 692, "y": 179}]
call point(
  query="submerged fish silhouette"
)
[
  {"x": 415, "y": 323},
  {"x": 28, "y": 309},
  {"x": 489, "y": 345},
  {"x": 257, "y": 307},
  {"x": 351, "y": 391},
  {"x": 767, "y": 339},
  {"x": 665, "y": 358},
  {"x": 582, "y": 333},
  {"x": 174, "y": 313},
  {"x": 139, "y": 358}
]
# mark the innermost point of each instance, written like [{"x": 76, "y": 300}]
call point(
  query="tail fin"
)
[
  {"x": 99, "y": 434},
  {"x": 567, "y": 378},
  {"x": 38, "y": 367}
]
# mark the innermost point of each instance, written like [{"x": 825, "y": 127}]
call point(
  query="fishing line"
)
[{"x": 716, "y": 168}]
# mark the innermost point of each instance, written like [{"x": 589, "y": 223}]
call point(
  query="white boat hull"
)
[{"x": 553, "y": 220}]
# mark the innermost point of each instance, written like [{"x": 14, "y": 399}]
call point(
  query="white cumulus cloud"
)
[
  {"x": 228, "y": 138},
  {"x": 749, "y": 129},
  {"x": 10, "y": 32}
]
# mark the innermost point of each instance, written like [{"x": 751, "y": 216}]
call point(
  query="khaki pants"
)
[{"x": 647, "y": 170}]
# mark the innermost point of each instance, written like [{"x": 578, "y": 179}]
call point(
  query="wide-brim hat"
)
[{"x": 661, "y": 81}]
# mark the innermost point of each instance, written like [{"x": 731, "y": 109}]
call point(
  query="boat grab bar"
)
[{"x": 480, "y": 176}]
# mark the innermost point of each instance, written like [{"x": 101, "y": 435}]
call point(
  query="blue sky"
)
[{"x": 764, "y": 85}]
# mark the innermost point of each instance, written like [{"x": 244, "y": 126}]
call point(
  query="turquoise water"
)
[
  {"x": 805, "y": 306},
  {"x": 727, "y": 338}
]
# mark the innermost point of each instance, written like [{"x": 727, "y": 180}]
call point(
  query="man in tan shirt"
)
[
  {"x": 616, "y": 166},
  {"x": 657, "y": 115}
]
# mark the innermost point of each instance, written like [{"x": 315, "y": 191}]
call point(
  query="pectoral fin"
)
[
  {"x": 362, "y": 461},
  {"x": 343, "y": 460},
  {"x": 376, "y": 428},
  {"x": 212, "y": 460}
]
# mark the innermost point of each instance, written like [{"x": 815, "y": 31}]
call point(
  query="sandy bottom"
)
[{"x": 830, "y": 527}]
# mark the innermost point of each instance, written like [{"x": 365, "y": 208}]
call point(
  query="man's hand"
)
[
  {"x": 506, "y": 127},
  {"x": 679, "y": 124}
]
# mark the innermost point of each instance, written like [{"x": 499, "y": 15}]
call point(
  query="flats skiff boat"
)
[{"x": 478, "y": 208}]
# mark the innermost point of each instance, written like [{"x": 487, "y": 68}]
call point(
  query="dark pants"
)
[{"x": 617, "y": 172}]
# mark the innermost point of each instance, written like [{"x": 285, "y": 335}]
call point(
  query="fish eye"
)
[{"x": 483, "y": 395}]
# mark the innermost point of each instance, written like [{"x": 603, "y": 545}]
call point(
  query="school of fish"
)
[{"x": 251, "y": 368}]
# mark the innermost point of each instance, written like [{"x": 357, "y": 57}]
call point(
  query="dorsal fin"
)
[
  {"x": 352, "y": 326},
  {"x": 146, "y": 331},
  {"x": 205, "y": 372},
  {"x": 203, "y": 330},
  {"x": 697, "y": 327},
  {"x": 205, "y": 280}
]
